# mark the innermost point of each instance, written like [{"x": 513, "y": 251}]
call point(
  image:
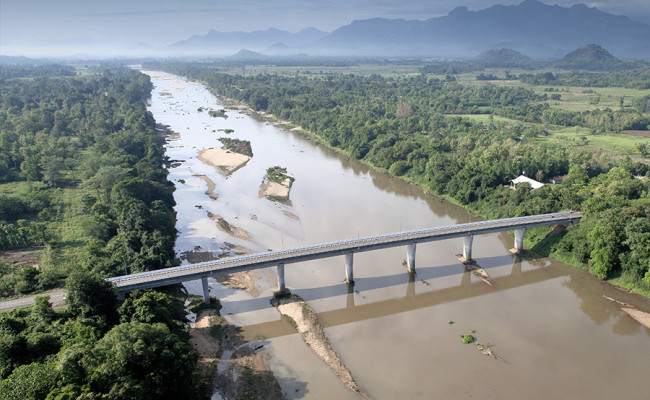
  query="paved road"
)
[
  {"x": 57, "y": 298},
  {"x": 184, "y": 273}
]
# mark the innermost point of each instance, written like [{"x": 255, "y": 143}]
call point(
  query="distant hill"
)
[
  {"x": 506, "y": 58},
  {"x": 247, "y": 55},
  {"x": 532, "y": 28},
  {"x": 224, "y": 43},
  {"x": 594, "y": 58},
  {"x": 590, "y": 57}
]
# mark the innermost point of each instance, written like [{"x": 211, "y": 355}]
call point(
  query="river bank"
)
[{"x": 236, "y": 369}]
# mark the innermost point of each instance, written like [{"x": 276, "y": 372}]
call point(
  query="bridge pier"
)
[
  {"x": 410, "y": 258},
  {"x": 282, "y": 289},
  {"x": 519, "y": 241},
  {"x": 467, "y": 248},
  {"x": 120, "y": 295},
  {"x": 206, "y": 289},
  {"x": 349, "y": 270}
]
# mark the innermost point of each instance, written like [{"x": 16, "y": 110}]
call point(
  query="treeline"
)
[
  {"x": 9, "y": 71},
  {"x": 397, "y": 124},
  {"x": 82, "y": 172},
  {"x": 599, "y": 120},
  {"x": 634, "y": 75},
  {"x": 632, "y": 78}
]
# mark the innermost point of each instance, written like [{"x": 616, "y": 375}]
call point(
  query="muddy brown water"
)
[{"x": 399, "y": 335}]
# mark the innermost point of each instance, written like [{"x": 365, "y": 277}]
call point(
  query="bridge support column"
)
[
  {"x": 349, "y": 269},
  {"x": 120, "y": 296},
  {"x": 467, "y": 248},
  {"x": 282, "y": 289},
  {"x": 519, "y": 241},
  {"x": 206, "y": 289},
  {"x": 410, "y": 258}
]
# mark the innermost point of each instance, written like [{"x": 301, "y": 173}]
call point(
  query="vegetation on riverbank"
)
[
  {"x": 278, "y": 174},
  {"x": 400, "y": 124},
  {"x": 237, "y": 146},
  {"x": 276, "y": 185},
  {"x": 82, "y": 173}
]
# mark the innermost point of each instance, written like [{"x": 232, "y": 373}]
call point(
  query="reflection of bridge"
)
[
  {"x": 411, "y": 301},
  {"x": 347, "y": 248}
]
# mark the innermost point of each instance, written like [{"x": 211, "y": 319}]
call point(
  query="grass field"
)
[
  {"x": 68, "y": 226},
  {"x": 572, "y": 98},
  {"x": 621, "y": 143},
  {"x": 485, "y": 118},
  {"x": 583, "y": 98}
]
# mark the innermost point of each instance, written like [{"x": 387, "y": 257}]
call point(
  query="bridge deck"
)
[{"x": 184, "y": 273}]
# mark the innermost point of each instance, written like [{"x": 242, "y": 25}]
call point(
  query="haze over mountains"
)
[
  {"x": 386, "y": 28},
  {"x": 533, "y": 28}
]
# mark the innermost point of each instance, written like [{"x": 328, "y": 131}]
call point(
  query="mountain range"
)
[{"x": 532, "y": 28}]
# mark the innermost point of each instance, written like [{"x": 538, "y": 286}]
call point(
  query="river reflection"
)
[
  {"x": 398, "y": 333},
  {"x": 467, "y": 288}
]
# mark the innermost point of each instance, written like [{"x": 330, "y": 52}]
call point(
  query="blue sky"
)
[{"x": 66, "y": 24}]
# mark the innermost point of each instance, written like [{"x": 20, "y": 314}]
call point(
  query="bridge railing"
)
[{"x": 279, "y": 258}]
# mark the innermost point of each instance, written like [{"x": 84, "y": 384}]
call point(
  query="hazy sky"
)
[{"x": 111, "y": 23}]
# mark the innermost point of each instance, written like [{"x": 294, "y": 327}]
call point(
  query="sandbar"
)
[
  {"x": 640, "y": 316},
  {"x": 225, "y": 161},
  {"x": 275, "y": 190},
  {"x": 307, "y": 325},
  {"x": 211, "y": 186}
]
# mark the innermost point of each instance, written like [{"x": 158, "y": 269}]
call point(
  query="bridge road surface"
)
[{"x": 169, "y": 276}]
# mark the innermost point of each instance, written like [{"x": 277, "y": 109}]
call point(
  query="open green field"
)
[
  {"x": 67, "y": 224},
  {"x": 582, "y": 98},
  {"x": 572, "y": 98},
  {"x": 622, "y": 143},
  {"x": 487, "y": 118}
]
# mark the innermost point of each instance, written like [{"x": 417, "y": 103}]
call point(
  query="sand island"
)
[
  {"x": 276, "y": 185},
  {"x": 228, "y": 159}
]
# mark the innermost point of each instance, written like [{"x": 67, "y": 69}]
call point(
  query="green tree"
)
[
  {"x": 141, "y": 361},
  {"x": 152, "y": 307},
  {"x": 29, "y": 382},
  {"x": 90, "y": 296}
]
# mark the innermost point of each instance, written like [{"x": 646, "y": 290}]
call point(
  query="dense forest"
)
[
  {"x": 82, "y": 173},
  {"x": 405, "y": 125}
]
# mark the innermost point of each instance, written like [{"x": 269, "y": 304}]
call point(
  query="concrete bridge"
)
[{"x": 347, "y": 248}]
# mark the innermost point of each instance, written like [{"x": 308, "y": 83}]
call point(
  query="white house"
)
[{"x": 522, "y": 178}]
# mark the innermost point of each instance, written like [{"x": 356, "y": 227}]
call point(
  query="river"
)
[{"x": 555, "y": 333}]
